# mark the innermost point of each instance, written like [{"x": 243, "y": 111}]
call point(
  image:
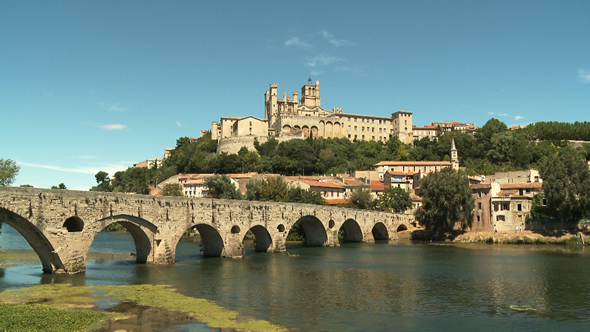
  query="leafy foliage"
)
[
  {"x": 220, "y": 186},
  {"x": 60, "y": 186},
  {"x": 8, "y": 171},
  {"x": 361, "y": 199},
  {"x": 566, "y": 185},
  {"x": 172, "y": 189},
  {"x": 447, "y": 200},
  {"x": 394, "y": 200}
]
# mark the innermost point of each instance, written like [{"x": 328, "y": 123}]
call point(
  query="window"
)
[
  {"x": 379, "y": 129},
  {"x": 348, "y": 135},
  {"x": 363, "y": 137},
  {"x": 331, "y": 192},
  {"x": 500, "y": 218},
  {"x": 363, "y": 120},
  {"x": 355, "y": 136},
  {"x": 373, "y": 138},
  {"x": 373, "y": 129},
  {"x": 505, "y": 207},
  {"x": 479, "y": 194},
  {"x": 519, "y": 207},
  {"x": 348, "y": 127},
  {"x": 379, "y": 121},
  {"x": 479, "y": 205},
  {"x": 363, "y": 128},
  {"x": 373, "y": 121},
  {"x": 354, "y": 119},
  {"x": 354, "y": 128},
  {"x": 478, "y": 218}
]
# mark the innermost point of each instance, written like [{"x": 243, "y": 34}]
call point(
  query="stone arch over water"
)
[
  {"x": 351, "y": 231},
  {"x": 140, "y": 229},
  {"x": 37, "y": 240},
  {"x": 315, "y": 232},
  {"x": 263, "y": 238},
  {"x": 380, "y": 231},
  {"x": 211, "y": 240}
]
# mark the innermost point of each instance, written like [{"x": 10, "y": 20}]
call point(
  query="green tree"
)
[
  {"x": 361, "y": 199},
  {"x": 447, "y": 200},
  {"x": 221, "y": 186},
  {"x": 298, "y": 195},
  {"x": 566, "y": 185},
  {"x": 172, "y": 189},
  {"x": 101, "y": 177},
  {"x": 274, "y": 189},
  {"x": 8, "y": 171},
  {"x": 60, "y": 186},
  {"x": 254, "y": 189},
  {"x": 394, "y": 200}
]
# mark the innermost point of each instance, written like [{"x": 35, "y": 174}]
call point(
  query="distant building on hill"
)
[{"x": 299, "y": 116}]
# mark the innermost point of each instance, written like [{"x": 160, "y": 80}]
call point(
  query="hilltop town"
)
[{"x": 339, "y": 155}]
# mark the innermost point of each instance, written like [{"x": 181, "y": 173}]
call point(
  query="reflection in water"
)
[{"x": 356, "y": 286}]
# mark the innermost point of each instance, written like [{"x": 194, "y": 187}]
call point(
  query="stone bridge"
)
[{"x": 60, "y": 225}]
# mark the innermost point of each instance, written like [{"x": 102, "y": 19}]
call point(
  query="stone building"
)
[
  {"x": 511, "y": 205},
  {"x": 302, "y": 115}
]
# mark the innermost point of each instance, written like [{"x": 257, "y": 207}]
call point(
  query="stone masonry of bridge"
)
[{"x": 60, "y": 225}]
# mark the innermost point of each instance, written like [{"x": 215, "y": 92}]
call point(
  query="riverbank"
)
[{"x": 520, "y": 237}]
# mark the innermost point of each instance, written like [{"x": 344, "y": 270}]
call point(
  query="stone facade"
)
[
  {"x": 299, "y": 116},
  {"x": 60, "y": 225}
]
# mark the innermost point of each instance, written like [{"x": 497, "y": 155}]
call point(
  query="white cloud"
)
[
  {"x": 518, "y": 117},
  {"x": 323, "y": 60},
  {"x": 503, "y": 114},
  {"x": 115, "y": 126},
  {"x": 88, "y": 157},
  {"x": 112, "y": 107},
  {"x": 109, "y": 168},
  {"x": 178, "y": 124},
  {"x": 584, "y": 75},
  {"x": 296, "y": 42},
  {"x": 334, "y": 41}
]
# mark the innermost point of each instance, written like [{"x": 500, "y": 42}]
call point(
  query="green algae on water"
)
[
  {"x": 38, "y": 317},
  {"x": 65, "y": 296}
]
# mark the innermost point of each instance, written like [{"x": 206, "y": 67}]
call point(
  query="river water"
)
[{"x": 402, "y": 286}]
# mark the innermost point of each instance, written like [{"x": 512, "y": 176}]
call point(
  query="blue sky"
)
[{"x": 100, "y": 85}]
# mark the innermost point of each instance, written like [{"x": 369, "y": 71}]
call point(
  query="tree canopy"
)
[
  {"x": 566, "y": 185},
  {"x": 8, "y": 171},
  {"x": 446, "y": 201}
]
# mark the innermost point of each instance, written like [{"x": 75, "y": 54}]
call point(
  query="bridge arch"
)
[
  {"x": 351, "y": 231},
  {"x": 380, "y": 231},
  {"x": 140, "y": 229},
  {"x": 263, "y": 238},
  {"x": 315, "y": 232},
  {"x": 211, "y": 240},
  {"x": 41, "y": 245}
]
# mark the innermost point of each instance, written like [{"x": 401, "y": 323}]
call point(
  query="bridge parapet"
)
[{"x": 61, "y": 225}]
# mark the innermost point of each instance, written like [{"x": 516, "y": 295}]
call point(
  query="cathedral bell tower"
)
[{"x": 454, "y": 157}]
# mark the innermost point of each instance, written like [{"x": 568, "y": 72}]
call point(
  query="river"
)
[{"x": 402, "y": 286}]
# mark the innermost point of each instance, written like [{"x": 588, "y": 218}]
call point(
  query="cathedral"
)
[{"x": 299, "y": 116}]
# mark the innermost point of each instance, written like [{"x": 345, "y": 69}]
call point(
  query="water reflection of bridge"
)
[{"x": 60, "y": 225}]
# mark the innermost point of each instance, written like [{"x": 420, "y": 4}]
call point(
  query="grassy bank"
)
[
  {"x": 53, "y": 307},
  {"x": 524, "y": 237}
]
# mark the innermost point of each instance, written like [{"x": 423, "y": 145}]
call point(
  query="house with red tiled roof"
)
[
  {"x": 331, "y": 192},
  {"x": 425, "y": 131}
]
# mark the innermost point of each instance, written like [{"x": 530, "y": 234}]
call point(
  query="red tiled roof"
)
[
  {"x": 336, "y": 201},
  {"x": 324, "y": 184},
  {"x": 412, "y": 163},
  {"x": 378, "y": 185}
]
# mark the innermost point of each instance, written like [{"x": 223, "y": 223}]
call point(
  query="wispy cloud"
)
[
  {"x": 296, "y": 42},
  {"x": 323, "y": 60},
  {"x": 334, "y": 41},
  {"x": 112, "y": 107},
  {"x": 88, "y": 157},
  {"x": 114, "y": 126},
  {"x": 518, "y": 117},
  {"x": 109, "y": 168},
  {"x": 503, "y": 114},
  {"x": 584, "y": 75},
  {"x": 178, "y": 124}
]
